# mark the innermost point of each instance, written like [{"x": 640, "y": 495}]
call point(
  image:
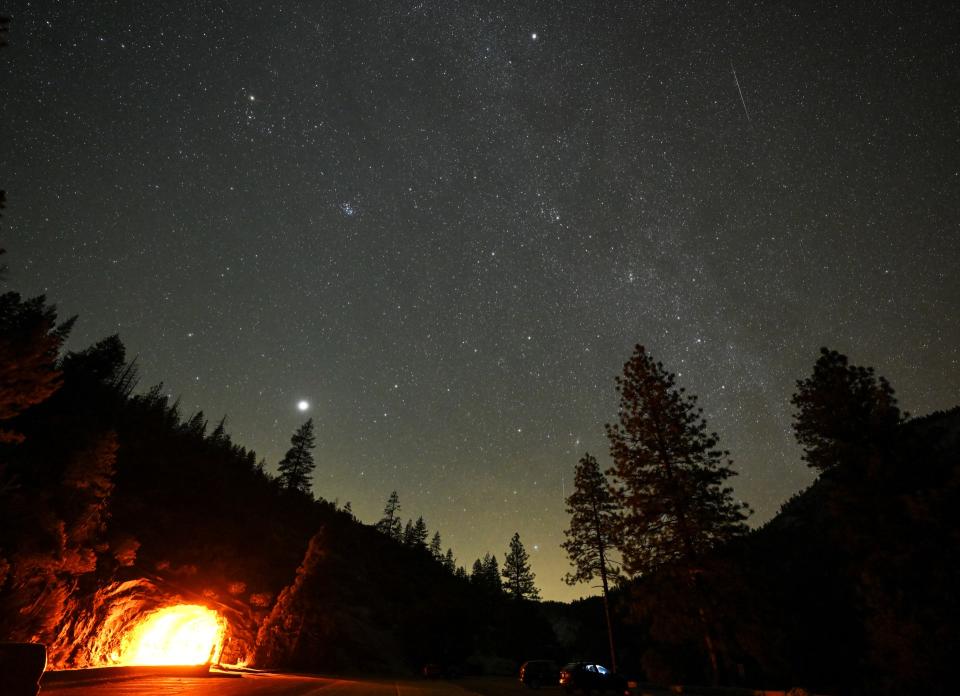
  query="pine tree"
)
[
  {"x": 30, "y": 342},
  {"x": 491, "y": 570},
  {"x": 415, "y": 534},
  {"x": 296, "y": 467},
  {"x": 477, "y": 573},
  {"x": 486, "y": 574},
  {"x": 669, "y": 482},
  {"x": 408, "y": 534},
  {"x": 420, "y": 533},
  {"x": 103, "y": 363},
  {"x": 219, "y": 435},
  {"x": 197, "y": 425},
  {"x": 436, "y": 548},
  {"x": 449, "y": 562},
  {"x": 390, "y": 523},
  {"x": 516, "y": 571},
  {"x": 845, "y": 414},
  {"x": 592, "y": 534}
]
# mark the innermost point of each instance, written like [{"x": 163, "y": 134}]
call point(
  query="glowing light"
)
[
  {"x": 185, "y": 634},
  {"x": 303, "y": 405}
]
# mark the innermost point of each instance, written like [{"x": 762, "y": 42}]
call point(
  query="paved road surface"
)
[{"x": 258, "y": 685}]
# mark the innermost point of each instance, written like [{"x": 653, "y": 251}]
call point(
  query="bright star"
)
[
  {"x": 533, "y": 36},
  {"x": 303, "y": 405}
]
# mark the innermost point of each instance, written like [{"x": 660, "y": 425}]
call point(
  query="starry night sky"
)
[{"x": 445, "y": 224}]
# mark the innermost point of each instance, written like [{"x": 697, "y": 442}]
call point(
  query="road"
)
[{"x": 251, "y": 684}]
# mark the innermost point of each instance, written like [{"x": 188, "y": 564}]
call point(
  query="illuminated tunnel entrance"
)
[{"x": 182, "y": 634}]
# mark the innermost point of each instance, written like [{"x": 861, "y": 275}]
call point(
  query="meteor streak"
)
[{"x": 740, "y": 91}]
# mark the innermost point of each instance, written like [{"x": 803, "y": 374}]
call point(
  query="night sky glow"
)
[{"x": 438, "y": 228}]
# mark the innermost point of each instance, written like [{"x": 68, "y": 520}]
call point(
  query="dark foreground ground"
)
[
  {"x": 251, "y": 684},
  {"x": 269, "y": 684}
]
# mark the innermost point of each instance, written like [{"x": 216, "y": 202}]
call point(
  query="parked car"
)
[
  {"x": 590, "y": 677},
  {"x": 537, "y": 673}
]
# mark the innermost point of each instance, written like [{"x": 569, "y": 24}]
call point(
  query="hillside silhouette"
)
[
  {"x": 114, "y": 503},
  {"x": 184, "y": 510},
  {"x": 850, "y": 588}
]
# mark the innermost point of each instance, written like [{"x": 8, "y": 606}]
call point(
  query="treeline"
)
[
  {"x": 102, "y": 487},
  {"x": 113, "y": 503},
  {"x": 99, "y": 486},
  {"x": 850, "y": 589},
  {"x": 516, "y": 579},
  {"x": 295, "y": 474}
]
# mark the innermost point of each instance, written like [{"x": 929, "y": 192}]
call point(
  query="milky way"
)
[{"x": 445, "y": 224}]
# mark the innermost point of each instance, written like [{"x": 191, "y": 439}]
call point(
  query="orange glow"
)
[{"x": 184, "y": 634}]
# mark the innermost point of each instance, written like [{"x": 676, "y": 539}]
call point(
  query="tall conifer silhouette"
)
[
  {"x": 670, "y": 483},
  {"x": 518, "y": 577},
  {"x": 845, "y": 415},
  {"x": 390, "y": 523},
  {"x": 296, "y": 467},
  {"x": 592, "y": 534}
]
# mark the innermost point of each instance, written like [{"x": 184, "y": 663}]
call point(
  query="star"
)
[{"x": 303, "y": 405}]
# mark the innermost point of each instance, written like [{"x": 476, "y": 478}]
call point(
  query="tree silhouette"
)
[
  {"x": 516, "y": 571},
  {"x": 30, "y": 342},
  {"x": 436, "y": 547},
  {"x": 486, "y": 574},
  {"x": 390, "y": 523},
  {"x": 669, "y": 482},
  {"x": 592, "y": 534},
  {"x": 415, "y": 534},
  {"x": 449, "y": 562},
  {"x": 296, "y": 468},
  {"x": 219, "y": 434},
  {"x": 419, "y": 537},
  {"x": 491, "y": 571},
  {"x": 197, "y": 427},
  {"x": 845, "y": 414}
]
